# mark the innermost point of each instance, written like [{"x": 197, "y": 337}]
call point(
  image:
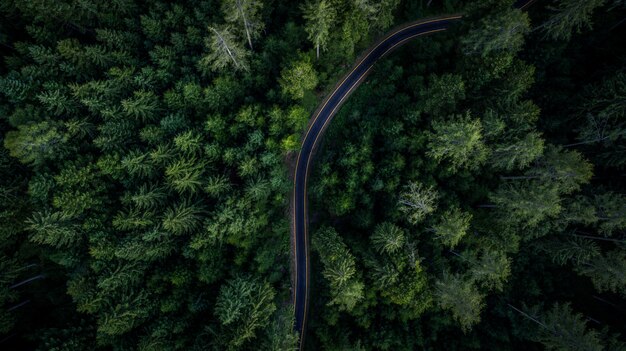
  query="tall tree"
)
[
  {"x": 244, "y": 306},
  {"x": 461, "y": 297},
  {"x": 247, "y": 13},
  {"x": 225, "y": 51},
  {"x": 569, "y": 16},
  {"x": 500, "y": 31},
  {"x": 320, "y": 16},
  {"x": 458, "y": 141},
  {"x": 339, "y": 269},
  {"x": 452, "y": 226},
  {"x": 417, "y": 201},
  {"x": 299, "y": 77}
]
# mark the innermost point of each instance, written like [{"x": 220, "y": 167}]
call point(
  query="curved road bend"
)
[{"x": 318, "y": 124}]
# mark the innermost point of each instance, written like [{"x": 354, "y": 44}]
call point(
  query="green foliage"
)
[
  {"x": 527, "y": 203},
  {"x": 339, "y": 269},
  {"x": 298, "y": 78},
  {"x": 607, "y": 271},
  {"x": 458, "y": 141},
  {"x": 224, "y": 51},
  {"x": 245, "y": 13},
  {"x": 461, "y": 298},
  {"x": 452, "y": 226},
  {"x": 569, "y": 17},
  {"x": 144, "y": 175},
  {"x": 563, "y": 329},
  {"x": 246, "y": 305},
  {"x": 417, "y": 201},
  {"x": 319, "y": 16},
  {"x": 500, "y": 31},
  {"x": 388, "y": 238}
]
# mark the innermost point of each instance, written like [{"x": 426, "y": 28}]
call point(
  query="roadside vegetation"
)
[{"x": 469, "y": 195}]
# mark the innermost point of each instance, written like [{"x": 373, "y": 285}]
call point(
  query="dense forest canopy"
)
[{"x": 469, "y": 195}]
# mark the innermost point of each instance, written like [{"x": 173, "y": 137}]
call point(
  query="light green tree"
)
[
  {"x": 459, "y": 141},
  {"x": 299, "y": 77},
  {"x": 244, "y": 306},
  {"x": 224, "y": 51},
  {"x": 517, "y": 154},
  {"x": 340, "y": 270},
  {"x": 416, "y": 201},
  {"x": 461, "y": 297},
  {"x": 452, "y": 226},
  {"x": 247, "y": 13},
  {"x": 319, "y": 16},
  {"x": 388, "y": 238},
  {"x": 527, "y": 203}
]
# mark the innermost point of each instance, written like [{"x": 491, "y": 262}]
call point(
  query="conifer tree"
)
[
  {"x": 247, "y": 14},
  {"x": 320, "y": 16},
  {"x": 461, "y": 297},
  {"x": 417, "y": 201},
  {"x": 225, "y": 51}
]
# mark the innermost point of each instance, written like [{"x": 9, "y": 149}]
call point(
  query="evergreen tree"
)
[
  {"x": 417, "y": 201},
  {"x": 298, "y": 78},
  {"x": 452, "y": 226},
  {"x": 459, "y": 141},
  {"x": 319, "y": 16},
  {"x": 461, "y": 297},
  {"x": 245, "y": 13},
  {"x": 225, "y": 51},
  {"x": 339, "y": 269},
  {"x": 569, "y": 17}
]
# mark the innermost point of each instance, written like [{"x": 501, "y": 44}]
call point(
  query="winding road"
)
[{"x": 320, "y": 120}]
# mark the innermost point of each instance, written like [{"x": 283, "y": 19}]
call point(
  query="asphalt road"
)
[{"x": 320, "y": 120}]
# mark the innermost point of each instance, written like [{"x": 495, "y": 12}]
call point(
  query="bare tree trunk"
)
[
  {"x": 226, "y": 46},
  {"x": 26, "y": 281},
  {"x": 246, "y": 24}
]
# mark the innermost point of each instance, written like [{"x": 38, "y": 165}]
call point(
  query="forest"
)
[{"x": 469, "y": 195}]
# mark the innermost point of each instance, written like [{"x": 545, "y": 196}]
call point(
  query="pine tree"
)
[
  {"x": 246, "y": 13},
  {"x": 606, "y": 271},
  {"x": 298, "y": 78},
  {"x": 461, "y": 297},
  {"x": 417, "y": 201},
  {"x": 339, "y": 269},
  {"x": 527, "y": 203},
  {"x": 225, "y": 51},
  {"x": 561, "y": 329},
  {"x": 54, "y": 228},
  {"x": 452, "y": 226},
  {"x": 243, "y": 307},
  {"x": 388, "y": 238},
  {"x": 569, "y": 16},
  {"x": 490, "y": 269},
  {"x": 518, "y": 154},
  {"x": 182, "y": 218},
  {"x": 501, "y": 31},
  {"x": 319, "y": 16},
  {"x": 458, "y": 141},
  {"x": 185, "y": 175},
  {"x": 610, "y": 212},
  {"x": 38, "y": 143}
]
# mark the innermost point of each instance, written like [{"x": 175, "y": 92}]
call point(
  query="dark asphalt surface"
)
[{"x": 318, "y": 124}]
